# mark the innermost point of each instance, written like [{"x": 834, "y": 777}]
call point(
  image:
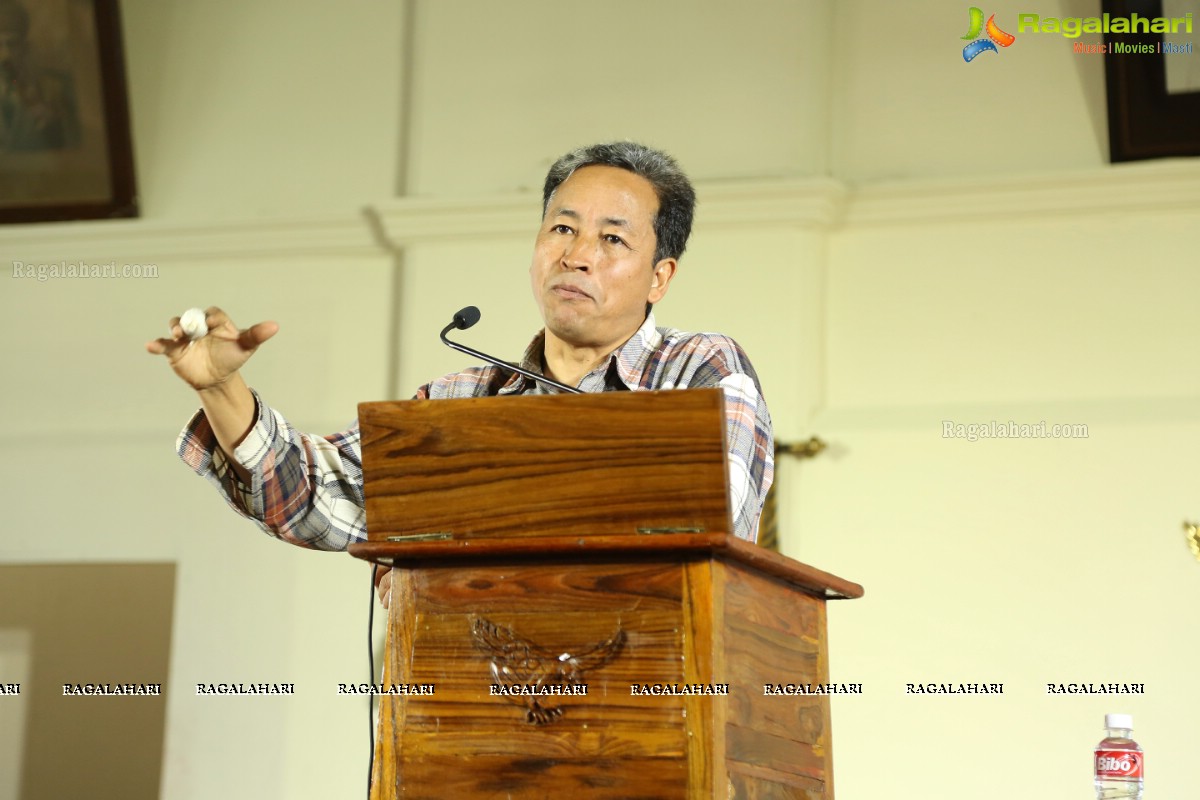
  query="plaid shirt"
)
[{"x": 308, "y": 490}]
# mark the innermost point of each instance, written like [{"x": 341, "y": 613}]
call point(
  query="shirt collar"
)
[{"x": 628, "y": 362}]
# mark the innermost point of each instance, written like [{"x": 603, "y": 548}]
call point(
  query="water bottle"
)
[{"x": 1119, "y": 761}]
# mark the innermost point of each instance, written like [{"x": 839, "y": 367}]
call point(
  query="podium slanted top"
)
[{"x": 616, "y": 463}]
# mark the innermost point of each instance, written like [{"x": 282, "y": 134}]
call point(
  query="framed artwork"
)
[
  {"x": 65, "y": 145},
  {"x": 1153, "y": 83}
]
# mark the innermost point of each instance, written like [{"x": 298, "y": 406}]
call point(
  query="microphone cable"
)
[
  {"x": 371, "y": 695},
  {"x": 467, "y": 317}
]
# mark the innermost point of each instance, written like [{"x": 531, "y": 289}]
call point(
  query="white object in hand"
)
[{"x": 193, "y": 323}]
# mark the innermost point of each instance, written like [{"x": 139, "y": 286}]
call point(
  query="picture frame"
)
[
  {"x": 66, "y": 150},
  {"x": 1146, "y": 121}
]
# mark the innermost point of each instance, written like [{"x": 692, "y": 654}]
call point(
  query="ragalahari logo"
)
[{"x": 994, "y": 37}]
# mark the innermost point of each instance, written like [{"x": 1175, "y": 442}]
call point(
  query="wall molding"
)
[
  {"x": 1146, "y": 187},
  {"x": 148, "y": 241},
  {"x": 807, "y": 203},
  {"x": 814, "y": 202}
]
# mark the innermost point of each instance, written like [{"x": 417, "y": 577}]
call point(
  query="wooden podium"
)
[{"x": 569, "y": 614}]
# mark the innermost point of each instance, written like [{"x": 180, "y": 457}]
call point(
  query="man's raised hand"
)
[{"x": 210, "y": 360}]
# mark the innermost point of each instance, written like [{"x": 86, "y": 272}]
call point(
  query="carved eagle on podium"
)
[{"x": 518, "y": 662}]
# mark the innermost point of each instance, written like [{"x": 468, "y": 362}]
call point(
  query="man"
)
[{"x": 616, "y": 218}]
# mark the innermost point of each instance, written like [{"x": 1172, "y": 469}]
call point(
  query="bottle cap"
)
[{"x": 1119, "y": 721}]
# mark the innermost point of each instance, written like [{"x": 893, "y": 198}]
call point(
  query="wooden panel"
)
[
  {"x": 385, "y": 776},
  {"x": 606, "y": 744},
  {"x": 535, "y": 465},
  {"x": 774, "y": 635},
  {"x": 757, "y": 783},
  {"x": 703, "y": 613},
  {"x": 601, "y": 586},
  {"x": 701, "y": 711},
  {"x": 454, "y": 777},
  {"x": 777, "y": 753}
]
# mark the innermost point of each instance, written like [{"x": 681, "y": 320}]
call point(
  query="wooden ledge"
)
[{"x": 685, "y": 546}]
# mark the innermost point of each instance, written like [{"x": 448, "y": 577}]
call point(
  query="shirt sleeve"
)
[
  {"x": 751, "y": 448},
  {"x": 304, "y": 489},
  {"x": 749, "y": 437}
]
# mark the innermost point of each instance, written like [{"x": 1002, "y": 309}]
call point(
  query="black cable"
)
[
  {"x": 468, "y": 317},
  {"x": 371, "y": 695}
]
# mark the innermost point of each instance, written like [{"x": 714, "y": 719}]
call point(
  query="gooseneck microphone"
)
[{"x": 467, "y": 317}]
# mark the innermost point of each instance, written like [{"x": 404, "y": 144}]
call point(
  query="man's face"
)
[{"x": 593, "y": 267}]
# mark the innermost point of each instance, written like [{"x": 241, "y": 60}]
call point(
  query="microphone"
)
[{"x": 467, "y": 317}]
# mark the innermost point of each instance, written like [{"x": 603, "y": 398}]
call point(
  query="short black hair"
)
[{"x": 676, "y": 197}]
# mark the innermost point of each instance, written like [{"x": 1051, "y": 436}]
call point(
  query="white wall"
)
[
  {"x": 907, "y": 106},
  {"x": 501, "y": 89},
  {"x": 88, "y": 453},
  {"x": 918, "y": 239},
  {"x": 1023, "y": 561},
  {"x": 247, "y": 110}
]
